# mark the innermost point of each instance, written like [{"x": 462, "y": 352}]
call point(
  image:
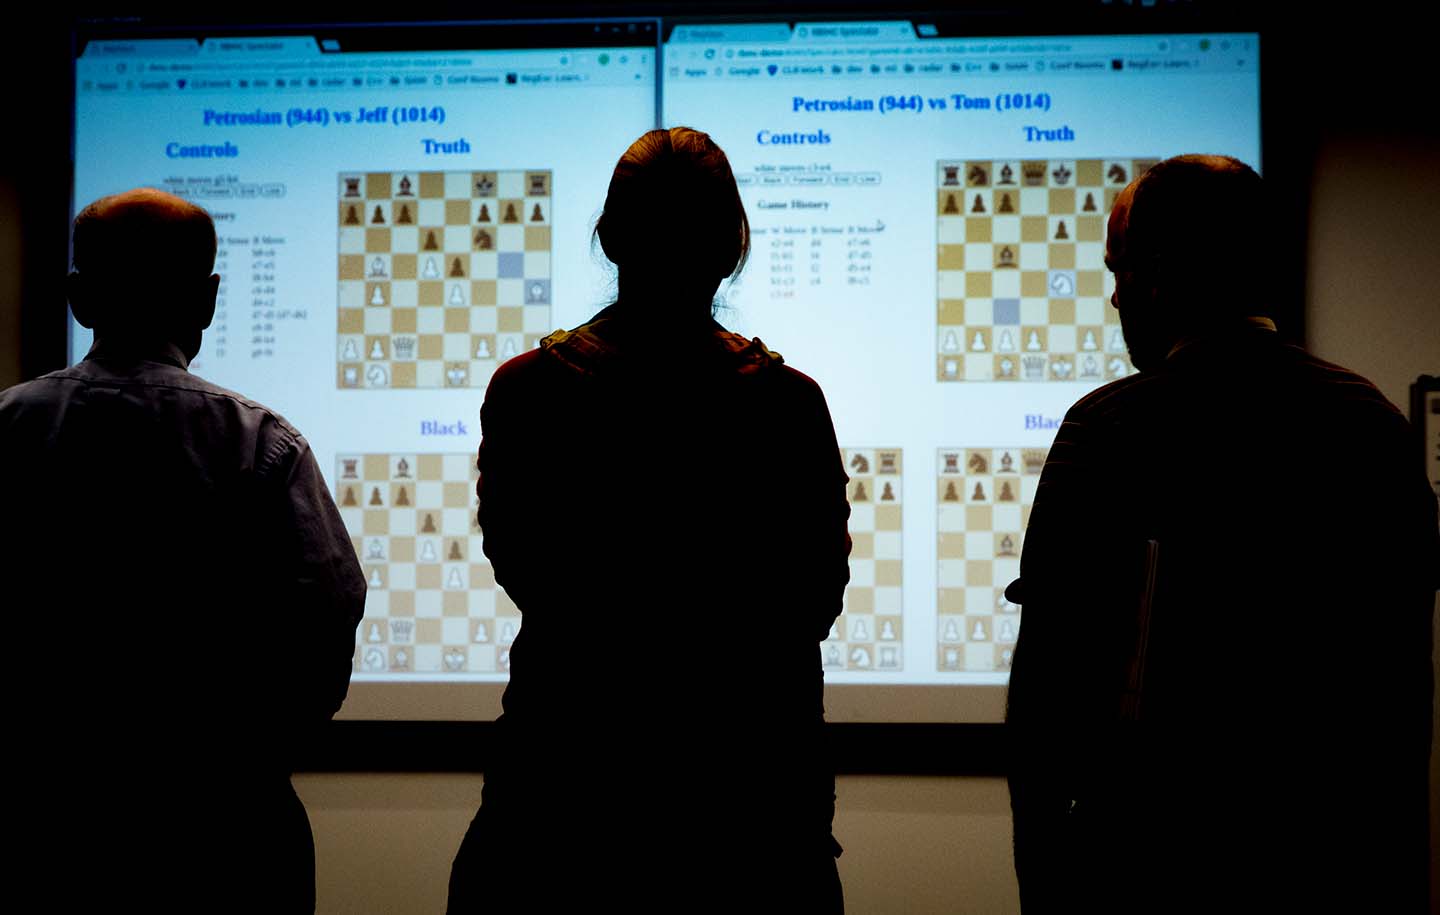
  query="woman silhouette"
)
[{"x": 665, "y": 503}]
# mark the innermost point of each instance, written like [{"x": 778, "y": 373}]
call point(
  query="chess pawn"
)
[
  {"x": 834, "y": 631},
  {"x": 979, "y": 205},
  {"x": 379, "y": 218},
  {"x": 375, "y": 498},
  {"x": 404, "y": 218},
  {"x": 978, "y": 343},
  {"x": 402, "y": 498},
  {"x": 428, "y": 527},
  {"x": 979, "y": 494},
  {"x": 951, "y": 207},
  {"x": 1089, "y": 206},
  {"x": 455, "y": 552},
  {"x": 349, "y": 499},
  {"x": 377, "y": 351},
  {"x": 431, "y": 244},
  {"x": 950, "y": 494},
  {"x": 1032, "y": 342},
  {"x": 482, "y": 350},
  {"x": 860, "y": 494},
  {"x": 887, "y": 494},
  {"x": 352, "y": 217},
  {"x": 887, "y": 631},
  {"x": 507, "y": 634},
  {"x": 1089, "y": 342},
  {"x": 351, "y": 351},
  {"x": 1006, "y": 494},
  {"x": 431, "y": 270},
  {"x": 536, "y": 215},
  {"x": 373, "y": 634},
  {"x": 1005, "y": 205},
  {"x": 952, "y": 632},
  {"x": 979, "y": 632},
  {"x": 484, "y": 213},
  {"x": 859, "y": 632},
  {"x": 375, "y": 580},
  {"x": 1060, "y": 233},
  {"x": 427, "y": 550},
  {"x": 951, "y": 344},
  {"x": 377, "y": 296},
  {"x": 482, "y": 632},
  {"x": 1007, "y": 631},
  {"x": 1007, "y": 342},
  {"x": 508, "y": 349},
  {"x": 457, "y": 269},
  {"x": 453, "y": 580},
  {"x": 510, "y": 214},
  {"x": 456, "y": 296}
]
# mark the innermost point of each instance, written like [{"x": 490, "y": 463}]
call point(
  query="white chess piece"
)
[
  {"x": 952, "y": 632},
  {"x": 453, "y": 580},
  {"x": 978, "y": 343},
  {"x": 351, "y": 352},
  {"x": 888, "y": 630},
  {"x": 375, "y": 580},
  {"x": 952, "y": 368},
  {"x": 482, "y": 633},
  {"x": 1032, "y": 343},
  {"x": 351, "y": 376},
  {"x": 374, "y": 659},
  {"x": 376, "y": 550},
  {"x": 427, "y": 551},
  {"x": 430, "y": 271},
  {"x": 456, "y": 296},
  {"x": 377, "y": 267},
  {"x": 860, "y": 658},
  {"x": 952, "y": 658},
  {"x": 951, "y": 344},
  {"x": 1007, "y": 631},
  {"x": 508, "y": 349},
  {"x": 979, "y": 632},
  {"x": 507, "y": 634},
  {"x": 482, "y": 351},
  {"x": 1117, "y": 341},
  {"x": 374, "y": 634},
  {"x": 377, "y": 351},
  {"x": 377, "y": 376},
  {"x": 1089, "y": 342},
  {"x": 377, "y": 297},
  {"x": 859, "y": 631},
  {"x": 1007, "y": 342},
  {"x": 1007, "y": 368}
]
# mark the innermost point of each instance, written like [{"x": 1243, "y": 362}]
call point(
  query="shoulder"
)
[{"x": 1122, "y": 397}]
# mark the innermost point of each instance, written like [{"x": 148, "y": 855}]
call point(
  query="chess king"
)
[
  {"x": 192, "y": 589},
  {"x": 1181, "y": 698}
]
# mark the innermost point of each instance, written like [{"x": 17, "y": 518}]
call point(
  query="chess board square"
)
[
  {"x": 950, "y": 284},
  {"x": 510, "y": 264},
  {"x": 950, "y": 257},
  {"x": 537, "y": 238},
  {"x": 951, "y": 232},
  {"x": 1062, "y": 256},
  {"x": 979, "y": 229}
]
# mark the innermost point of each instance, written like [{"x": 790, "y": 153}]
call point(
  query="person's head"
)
[
  {"x": 673, "y": 222},
  {"x": 143, "y": 263},
  {"x": 1187, "y": 244}
]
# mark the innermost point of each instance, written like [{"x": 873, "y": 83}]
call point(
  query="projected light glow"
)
[{"x": 397, "y": 218}]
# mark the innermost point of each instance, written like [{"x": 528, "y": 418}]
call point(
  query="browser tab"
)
[
  {"x": 278, "y": 46},
  {"x": 147, "y": 47},
  {"x": 836, "y": 32}
]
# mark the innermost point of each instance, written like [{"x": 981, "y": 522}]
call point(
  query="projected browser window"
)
[
  {"x": 928, "y": 213},
  {"x": 394, "y": 223}
]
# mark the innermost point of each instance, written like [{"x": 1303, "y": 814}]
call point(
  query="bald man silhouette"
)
[
  {"x": 182, "y": 594},
  {"x": 1254, "y": 737}
]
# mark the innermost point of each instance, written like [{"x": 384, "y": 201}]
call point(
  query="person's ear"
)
[
  {"x": 77, "y": 291},
  {"x": 210, "y": 290}
]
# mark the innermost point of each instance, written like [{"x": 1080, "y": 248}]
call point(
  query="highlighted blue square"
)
[
  {"x": 511, "y": 265},
  {"x": 1007, "y": 311}
]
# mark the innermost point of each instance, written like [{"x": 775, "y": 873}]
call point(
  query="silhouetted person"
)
[
  {"x": 665, "y": 502},
  {"x": 181, "y": 598},
  {"x": 1274, "y": 755}
]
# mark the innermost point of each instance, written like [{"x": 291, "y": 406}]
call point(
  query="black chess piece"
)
[
  {"x": 404, "y": 219},
  {"x": 979, "y": 494},
  {"x": 375, "y": 496},
  {"x": 484, "y": 213},
  {"x": 455, "y": 551},
  {"x": 457, "y": 269},
  {"x": 1006, "y": 206},
  {"x": 888, "y": 494},
  {"x": 1060, "y": 232},
  {"x": 402, "y": 498},
  {"x": 978, "y": 464},
  {"x": 979, "y": 206},
  {"x": 510, "y": 214},
  {"x": 859, "y": 464},
  {"x": 536, "y": 215},
  {"x": 950, "y": 494},
  {"x": 405, "y": 186},
  {"x": 352, "y": 218},
  {"x": 483, "y": 241},
  {"x": 950, "y": 206},
  {"x": 349, "y": 499},
  {"x": 379, "y": 218},
  {"x": 428, "y": 527},
  {"x": 430, "y": 243},
  {"x": 1089, "y": 206},
  {"x": 1006, "y": 493},
  {"x": 860, "y": 494}
]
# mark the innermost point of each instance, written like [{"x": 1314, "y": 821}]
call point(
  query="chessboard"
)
[
  {"x": 869, "y": 631},
  {"x": 442, "y": 275},
  {"x": 432, "y": 605},
  {"x": 1022, "y": 289},
  {"x": 984, "y": 496}
]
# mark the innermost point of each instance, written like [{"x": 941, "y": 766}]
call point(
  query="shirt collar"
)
[
  {"x": 1247, "y": 323},
  {"x": 166, "y": 353}
]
